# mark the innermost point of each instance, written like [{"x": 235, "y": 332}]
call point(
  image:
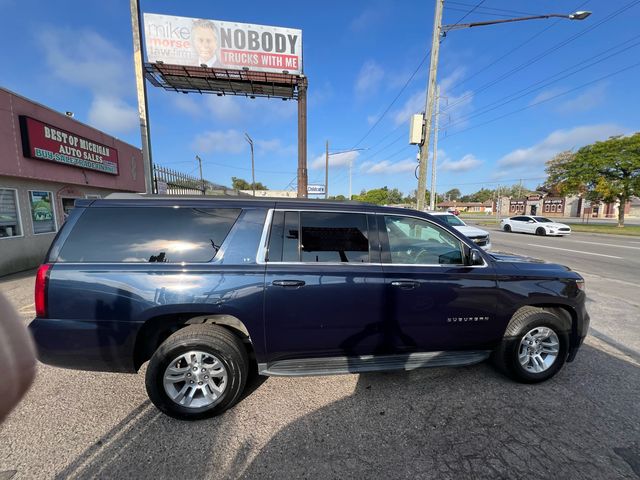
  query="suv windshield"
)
[{"x": 542, "y": 220}]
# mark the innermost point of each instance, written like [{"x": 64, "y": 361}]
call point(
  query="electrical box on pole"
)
[{"x": 416, "y": 127}]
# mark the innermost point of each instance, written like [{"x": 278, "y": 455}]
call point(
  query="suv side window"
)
[
  {"x": 148, "y": 234},
  {"x": 319, "y": 237},
  {"x": 416, "y": 241}
]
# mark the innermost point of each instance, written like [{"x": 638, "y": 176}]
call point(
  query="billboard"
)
[
  {"x": 226, "y": 45},
  {"x": 47, "y": 142}
]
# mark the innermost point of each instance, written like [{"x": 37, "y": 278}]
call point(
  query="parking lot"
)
[{"x": 466, "y": 422}]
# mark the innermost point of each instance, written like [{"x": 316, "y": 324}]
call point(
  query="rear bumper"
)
[{"x": 105, "y": 346}]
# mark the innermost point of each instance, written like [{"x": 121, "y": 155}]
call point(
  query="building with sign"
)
[{"x": 47, "y": 161}]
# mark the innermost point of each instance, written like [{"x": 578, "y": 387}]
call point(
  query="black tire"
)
[
  {"x": 214, "y": 340},
  {"x": 541, "y": 231},
  {"x": 505, "y": 357},
  {"x": 507, "y": 228}
]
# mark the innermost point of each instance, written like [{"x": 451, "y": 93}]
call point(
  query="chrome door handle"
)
[
  {"x": 288, "y": 283},
  {"x": 404, "y": 284}
]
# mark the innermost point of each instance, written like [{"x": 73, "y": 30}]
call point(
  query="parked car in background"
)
[
  {"x": 208, "y": 289},
  {"x": 536, "y": 225},
  {"x": 477, "y": 235}
]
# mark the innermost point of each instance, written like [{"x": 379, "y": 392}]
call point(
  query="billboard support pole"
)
[
  {"x": 302, "y": 137},
  {"x": 141, "y": 89}
]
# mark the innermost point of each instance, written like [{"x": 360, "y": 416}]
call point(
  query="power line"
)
[
  {"x": 545, "y": 100},
  {"x": 502, "y": 15},
  {"x": 528, "y": 90},
  {"x": 492, "y": 8},
  {"x": 543, "y": 54},
  {"x": 406, "y": 84}
]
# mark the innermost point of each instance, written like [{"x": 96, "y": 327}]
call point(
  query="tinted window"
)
[
  {"x": 520, "y": 219},
  {"x": 542, "y": 220},
  {"x": 148, "y": 234},
  {"x": 416, "y": 241},
  {"x": 334, "y": 237}
]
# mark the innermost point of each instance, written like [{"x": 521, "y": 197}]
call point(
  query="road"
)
[
  {"x": 445, "y": 423},
  {"x": 610, "y": 265}
]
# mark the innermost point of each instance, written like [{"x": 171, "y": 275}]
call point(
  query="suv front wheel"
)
[
  {"x": 535, "y": 345},
  {"x": 198, "y": 372}
]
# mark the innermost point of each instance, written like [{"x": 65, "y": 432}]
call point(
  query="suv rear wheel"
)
[
  {"x": 198, "y": 372},
  {"x": 534, "y": 347}
]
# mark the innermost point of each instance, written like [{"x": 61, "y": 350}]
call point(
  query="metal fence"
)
[{"x": 172, "y": 182}]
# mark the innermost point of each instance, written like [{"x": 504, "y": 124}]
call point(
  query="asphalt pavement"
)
[{"x": 446, "y": 423}]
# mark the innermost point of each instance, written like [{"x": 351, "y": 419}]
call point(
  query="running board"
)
[{"x": 370, "y": 363}]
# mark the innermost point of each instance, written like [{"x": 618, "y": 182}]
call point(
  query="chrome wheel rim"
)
[
  {"x": 195, "y": 379},
  {"x": 538, "y": 350}
]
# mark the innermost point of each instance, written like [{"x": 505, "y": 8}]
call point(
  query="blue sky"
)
[{"x": 516, "y": 94}]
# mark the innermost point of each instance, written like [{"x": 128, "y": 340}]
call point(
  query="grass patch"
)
[
  {"x": 632, "y": 230},
  {"x": 628, "y": 230}
]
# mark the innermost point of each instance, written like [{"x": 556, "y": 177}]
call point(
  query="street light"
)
[
  {"x": 440, "y": 30},
  {"x": 253, "y": 175},
  {"x": 580, "y": 15},
  {"x": 326, "y": 175}
]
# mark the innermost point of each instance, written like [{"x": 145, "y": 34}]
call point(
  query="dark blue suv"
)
[{"x": 206, "y": 289}]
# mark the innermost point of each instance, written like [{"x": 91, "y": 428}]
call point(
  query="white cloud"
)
[
  {"x": 386, "y": 167},
  {"x": 371, "y": 119},
  {"x": 455, "y": 107},
  {"x": 545, "y": 95},
  {"x": 88, "y": 60},
  {"x": 275, "y": 146},
  {"x": 558, "y": 141},
  {"x": 229, "y": 141},
  {"x": 369, "y": 78},
  {"x": 368, "y": 18},
  {"x": 335, "y": 160},
  {"x": 112, "y": 114},
  {"x": 590, "y": 98},
  {"x": 468, "y": 162},
  {"x": 233, "y": 109},
  {"x": 414, "y": 104}
]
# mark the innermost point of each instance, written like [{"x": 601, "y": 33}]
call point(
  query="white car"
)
[
  {"x": 536, "y": 225},
  {"x": 478, "y": 236}
]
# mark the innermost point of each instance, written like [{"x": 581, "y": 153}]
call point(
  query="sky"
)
[{"x": 513, "y": 95}]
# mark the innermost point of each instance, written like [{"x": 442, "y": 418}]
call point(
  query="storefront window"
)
[
  {"x": 42, "y": 213},
  {"x": 9, "y": 214}
]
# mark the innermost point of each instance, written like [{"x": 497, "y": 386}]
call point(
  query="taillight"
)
[{"x": 42, "y": 278}]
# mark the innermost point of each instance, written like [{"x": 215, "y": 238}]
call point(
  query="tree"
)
[
  {"x": 242, "y": 184},
  {"x": 607, "y": 171},
  {"x": 380, "y": 196},
  {"x": 453, "y": 194}
]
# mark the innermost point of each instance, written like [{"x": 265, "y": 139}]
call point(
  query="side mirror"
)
[{"x": 475, "y": 258}]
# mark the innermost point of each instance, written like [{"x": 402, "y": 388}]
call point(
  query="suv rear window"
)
[{"x": 148, "y": 234}]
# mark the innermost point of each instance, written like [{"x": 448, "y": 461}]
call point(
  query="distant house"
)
[{"x": 473, "y": 207}]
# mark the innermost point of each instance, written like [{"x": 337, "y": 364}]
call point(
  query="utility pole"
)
[
  {"x": 253, "y": 173},
  {"x": 141, "y": 89},
  {"x": 431, "y": 87},
  {"x": 350, "y": 167},
  {"x": 326, "y": 170},
  {"x": 201, "y": 178},
  {"x": 434, "y": 161},
  {"x": 520, "y": 189},
  {"x": 302, "y": 137}
]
